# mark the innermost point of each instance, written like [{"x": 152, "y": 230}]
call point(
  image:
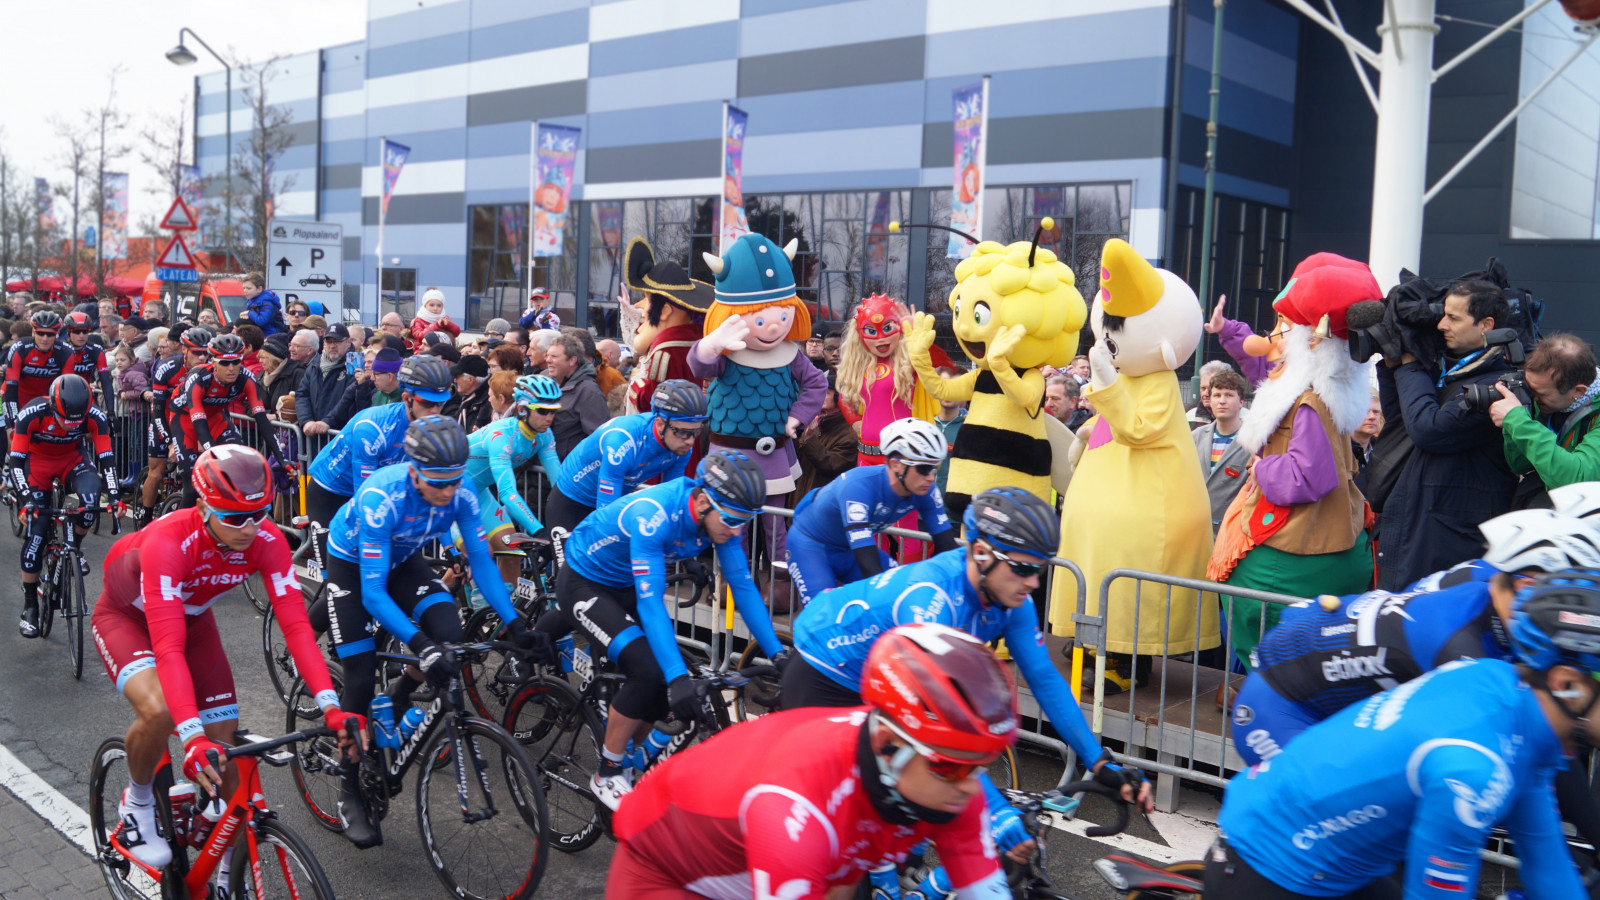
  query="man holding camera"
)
[
  {"x": 1457, "y": 475},
  {"x": 1549, "y": 432}
]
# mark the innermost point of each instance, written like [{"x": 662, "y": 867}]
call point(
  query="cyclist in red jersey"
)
[
  {"x": 744, "y": 815},
  {"x": 158, "y": 638},
  {"x": 88, "y": 360},
  {"x": 50, "y": 443},
  {"x": 33, "y": 364},
  {"x": 200, "y": 408},
  {"x": 165, "y": 378}
]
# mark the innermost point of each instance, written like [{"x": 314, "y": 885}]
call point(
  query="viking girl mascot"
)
[
  {"x": 1299, "y": 524},
  {"x": 760, "y": 389}
]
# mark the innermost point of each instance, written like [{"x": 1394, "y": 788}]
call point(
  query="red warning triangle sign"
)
[
  {"x": 176, "y": 255},
  {"x": 179, "y": 217}
]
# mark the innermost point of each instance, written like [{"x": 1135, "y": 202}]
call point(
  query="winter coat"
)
[
  {"x": 420, "y": 327},
  {"x": 1224, "y": 481},
  {"x": 319, "y": 393},
  {"x": 1456, "y": 477},
  {"x": 266, "y": 312},
  {"x": 583, "y": 409},
  {"x": 283, "y": 382},
  {"x": 131, "y": 383},
  {"x": 472, "y": 411}
]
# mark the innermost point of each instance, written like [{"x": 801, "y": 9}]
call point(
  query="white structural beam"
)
[
  {"x": 1355, "y": 61},
  {"x": 1488, "y": 39},
  {"x": 1355, "y": 46},
  {"x": 1400, "y": 160}
]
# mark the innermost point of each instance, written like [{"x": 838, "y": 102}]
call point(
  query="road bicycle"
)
[
  {"x": 270, "y": 862},
  {"x": 482, "y": 820},
  {"x": 61, "y": 589}
]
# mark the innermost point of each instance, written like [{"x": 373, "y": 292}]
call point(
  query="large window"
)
[
  {"x": 497, "y": 276},
  {"x": 678, "y": 229},
  {"x": 399, "y": 294},
  {"x": 1249, "y": 243}
]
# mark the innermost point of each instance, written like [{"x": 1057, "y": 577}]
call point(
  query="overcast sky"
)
[{"x": 60, "y": 54}]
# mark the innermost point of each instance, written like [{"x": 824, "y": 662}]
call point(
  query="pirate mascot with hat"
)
[{"x": 672, "y": 310}]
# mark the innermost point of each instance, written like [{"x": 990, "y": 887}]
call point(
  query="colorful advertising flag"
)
[
  {"x": 41, "y": 193},
  {"x": 971, "y": 151},
  {"x": 878, "y": 242},
  {"x": 114, "y": 221},
  {"x": 556, "y": 154},
  {"x": 1050, "y": 202},
  {"x": 512, "y": 220},
  {"x": 734, "y": 223},
  {"x": 609, "y": 213},
  {"x": 394, "y": 159}
]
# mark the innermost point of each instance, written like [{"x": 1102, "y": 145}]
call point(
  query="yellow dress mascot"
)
[
  {"x": 1014, "y": 308},
  {"x": 1137, "y": 500}
]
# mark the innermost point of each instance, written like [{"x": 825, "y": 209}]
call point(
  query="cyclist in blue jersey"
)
[
  {"x": 625, "y": 453},
  {"x": 498, "y": 450},
  {"x": 370, "y": 441},
  {"x": 1329, "y": 653},
  {"x": 612, "y": 591},
  {"x": 377, "y": 576},
  {"x": 984, "y": 589},
  {"x": 1421, "y": 773},
  {"x": 833, "y": 540}
]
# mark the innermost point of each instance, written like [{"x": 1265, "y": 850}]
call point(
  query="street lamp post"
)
[{"x": 181, "y": 55}]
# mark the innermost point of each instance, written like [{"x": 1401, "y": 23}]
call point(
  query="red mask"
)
[{"x": 878, "y": 317}]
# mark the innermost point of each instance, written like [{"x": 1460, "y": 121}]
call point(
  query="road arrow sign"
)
[
  {"x": 283, "y": 265},
  {"x": 176, "y": 255},
  {"x": 179, "y": 216}
]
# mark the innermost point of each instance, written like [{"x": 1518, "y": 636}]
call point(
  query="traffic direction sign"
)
[
  {"x": 179, "y": 217},
  {"x": 305, "y": 261},
  {"x": 176, "y": 255}
]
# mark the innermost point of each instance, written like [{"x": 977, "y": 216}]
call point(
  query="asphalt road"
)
[{"x": 53, "y": 724}]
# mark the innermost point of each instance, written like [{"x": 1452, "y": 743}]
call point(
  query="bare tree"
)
[
  {"x": 164, "y": 146},
  {"x": 258, "y": 184},
  {"x": 77, "y": 156},
  {"x": 111, "y": 123}
]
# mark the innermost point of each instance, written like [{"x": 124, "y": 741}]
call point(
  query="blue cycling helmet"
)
[
  {"x": 437, "y": 447},
  {"x": 1557, "y": 620},
  {"x": 537, "y": 392},
  {"x": 679, "y": 400},
  {"x": 734, "y": 482},
  {"x": 425, "y": 377},
  {"x": 1011, "y": 519}
]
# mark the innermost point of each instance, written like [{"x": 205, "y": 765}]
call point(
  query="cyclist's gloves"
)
[
  {"x": 536, "y": 644},
  {"x": 687, "y": 697},
  {"x": 698, "y": 570},
  {"x": 782, "y": 660},
  {"x": 1114, "y": 776},
  {"x": 338, "y": 720},
  {"x": 437, "y": 666},
  {"x": 194, "y": 756},
  {"x": 280, "y": 476},
  {"x": 1006, "y": 828}
]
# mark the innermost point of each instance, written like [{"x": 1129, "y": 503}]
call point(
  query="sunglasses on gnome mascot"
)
[
  {"x": 1020, "y": 569},
  {"x": 887, "y": 329}
]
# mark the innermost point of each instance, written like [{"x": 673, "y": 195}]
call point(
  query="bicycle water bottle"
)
[
  {"x": 204, "y": 820},
  {"x": 408, "y": 725},
  {"x": 383, "y": 727},
  {"x": 180, "y": 796},
  {"x": 565, "y": 648}
]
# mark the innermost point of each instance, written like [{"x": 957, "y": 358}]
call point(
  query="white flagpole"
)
[
  {"x": 533, "y": 185},
  {"x": 722, "y": 187},
  {"x": 383, "y": 184},
  {"x": 983, "y": 162}
]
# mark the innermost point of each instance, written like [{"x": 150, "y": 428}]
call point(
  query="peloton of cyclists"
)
[
  {"x": 200, "y": 409},
  {"x": 498, "y": 450}
]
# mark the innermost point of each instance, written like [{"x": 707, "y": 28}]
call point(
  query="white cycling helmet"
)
[
  {"x": 913, "y": 440},
  {"x": 1580, "y": 501},
  {"x": 1542, "y": 540}
]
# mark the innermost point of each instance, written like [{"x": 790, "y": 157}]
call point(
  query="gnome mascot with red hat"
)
[{"x": 1299, "y": 524}]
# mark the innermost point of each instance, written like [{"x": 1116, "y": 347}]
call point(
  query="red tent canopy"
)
[{"x": 51, "y": 284}]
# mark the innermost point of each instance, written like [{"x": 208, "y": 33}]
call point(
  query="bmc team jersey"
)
[
  {"x": 164, "y": 379},
  {"x": 744, "y": 815},
  {"x": 835, "y": 631},
  {"x": 172, "y": 570},
  {"x": 43, "y": 450},
  {"x": 848, "y": 512},
  {"x": 628, "y": 544},
  {"x": 200, "y": 407},
  {"x": 612, "y": 462},
  {"x": 498, "y": 450},
  {"x": 1419, "y": 774},
  {"x": 29, "y": 371},
  {"x": 386, "y": 522},
  {"x": 371, "y": 440},
  {"x": 89, "y": 362}
]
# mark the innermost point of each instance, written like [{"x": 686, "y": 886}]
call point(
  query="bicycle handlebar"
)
[{"x": 1111, "y": 793}]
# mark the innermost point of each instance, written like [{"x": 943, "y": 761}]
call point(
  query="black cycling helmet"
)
[
  {"x": 70, "y": 398},
  {"x": 45, "y": 320},
  {"x": 679, "y": 400},
  {"x": 1557, "y": 620},
  {"x": 226, "y": 347},
  {"x": 734, "y": 482},
  {"x": 427, "y": 377},
  {"x": 196, "y": 337},
  {"x": 437, "y": 447},
  {"x": 1011, "y": 519}
]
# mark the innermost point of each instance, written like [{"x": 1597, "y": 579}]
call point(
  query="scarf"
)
[
  {"x": 429, "y": 317},
  {"x": 328, "y": 365},
  {"x": 1588, "y": 396}
]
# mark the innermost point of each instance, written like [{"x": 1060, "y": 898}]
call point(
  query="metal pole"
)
[
  {"x": 1208, "y": 214},
  {"x": 383, "y": 185},
  {"x": 228, "y": 189},
  {"x": 1399, "y": 172}
]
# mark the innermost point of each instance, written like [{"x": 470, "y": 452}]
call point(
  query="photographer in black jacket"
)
[{"x": 1457, "y": 476}]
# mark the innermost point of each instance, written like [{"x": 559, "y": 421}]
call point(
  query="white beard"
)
[{"x": 1342, "y": 384}]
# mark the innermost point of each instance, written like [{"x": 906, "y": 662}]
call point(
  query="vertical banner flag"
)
[
  {"x": 733, "y": 219},
  {"x": 114, "y": 221},
  {"x": 556, "y": 155},
  {"x": 394, "y": 159},
  {"x": 878, "y": 243},
  {"x": 609, "y": 212},
  {"x": 512, "y": 220},
  {"x": 41, "y": 193},
  {"x": 189, "y": 190},
  {"x": 1050, "y": 202},
  {"x": 971, "y": 151}
]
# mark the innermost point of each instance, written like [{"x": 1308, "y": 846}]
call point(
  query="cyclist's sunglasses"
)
[
  {"x": 1021, "y": 569},
  {"x": 687, "y": 434},
  {"x": 242, "y": 519},
  {"x": 77, "y": 331},
  {"x": 729, "y": 517},
  {"x": 441, "y": 479},
  {"x": 220, "y": 361},
  {"x": 944, "y": 768},
  {"x": 44, "y": 332},
  {"x": 924, "y": 469}
]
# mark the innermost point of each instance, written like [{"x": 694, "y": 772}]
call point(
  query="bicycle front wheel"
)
[
  {"x": 562, "y": 736},
  {"x": 49, "y": 593},
  {"x": 489, "y": 843},
  {"x": 288, "y": 869},
  {"x": 74, "y": 609},
  {"x": 318, "y": 764},
  {"x": 108, "y": 775}
]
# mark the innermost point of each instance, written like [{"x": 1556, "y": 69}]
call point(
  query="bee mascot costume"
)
[{"x": 1137, "y": 499}]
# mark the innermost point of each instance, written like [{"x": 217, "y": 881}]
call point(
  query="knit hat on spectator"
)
[
  {"x": 136, "y": 322},
  {"x": 497, "y": 326},
  {"x": 275, "y": 345},
  {"x": 435, "y": 338},
  {"x": 445, "y": 352},
  {"x": 387, "y": 360},
  {"x": 315, "y": 322},
  {"x": 476, "y": 366},
  {"x": 394, "y": 342}
]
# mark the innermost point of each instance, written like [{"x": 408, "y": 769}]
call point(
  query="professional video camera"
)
[
  {"x": 1407, "y": 321},
  {"x": 1479, "y": 397}
]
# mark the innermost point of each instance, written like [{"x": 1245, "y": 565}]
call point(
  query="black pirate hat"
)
[{"x": 666, "y": 278}]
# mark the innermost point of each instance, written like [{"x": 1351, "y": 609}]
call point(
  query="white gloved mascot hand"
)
[
  {"x": 1102, "y": 369},
  {"x": 727, "y": 336}
]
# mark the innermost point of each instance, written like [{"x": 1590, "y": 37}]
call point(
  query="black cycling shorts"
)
[
  {"x": 1229, "y": 877},
  {"x": 609, "y": 616},
  {"x": 350, "y": 626}
]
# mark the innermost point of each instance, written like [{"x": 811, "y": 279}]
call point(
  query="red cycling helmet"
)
[
  {"x": 78, "y": 320},
  {"x": 69, "y": 399},
  {"x": 940, "y": 688},
  {"x": 231, "y": 478}
]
